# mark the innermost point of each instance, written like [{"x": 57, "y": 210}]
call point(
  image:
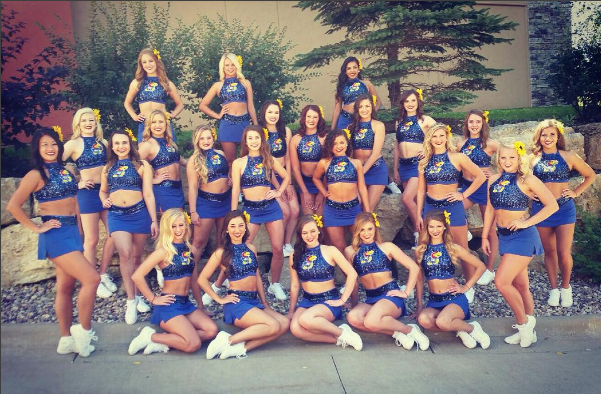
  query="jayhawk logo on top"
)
[
  {"x": 308, "y": 147},
  {"x": 499, "y": 187},
  {"x": 277, "y": 144},
  {"x": 468, "y": 150},
  {"x": 340, "y": 166},
  {"x": 231, "y": 87},
  {"x": 366, "y": 257},
  {"x": 434, "y": 258},
  {"x": 215, "y": 160},
  {"x": 65, "y": 176},
  {"x": 97, "y": 149},
  {"x": 186, "y": 257},
  {"x": 151, "y": 87},
  {"x": 354, "y": 87},
  {"x": 360, "y": 134},
  {"x": 246, "y": 258},
  {"x": 170, "y": 149},
  {"x": 549, "y": 165},
  {"x": 308, "y": 263},
  {"x": 437, "y": 167},
  {"x": 406, "y": 125},
  {"x": 120, "y": 171},
  {"x": 258, "y": 169}
]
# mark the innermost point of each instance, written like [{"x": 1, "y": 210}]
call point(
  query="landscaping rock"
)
[{"x": 9, "y": 185}]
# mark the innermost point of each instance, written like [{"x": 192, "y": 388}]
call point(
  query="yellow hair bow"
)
[
  {"x": 448, "y": 129},
  {"x": 318, "y": 220},
  {"x": 485, "y": 114},
  {"x": 157, "y": 53},
  {"x": 280, "y": 103},
  {"x": 348, "y": 133},
  {"x": 131, "y": 134},
  {"x": 360, "y": 64},
  {"x": 214, "y": 133},
  {"x": 266, "y": 132},
  {"x": 188, "y": 219},
  {"x": 321, "y": 111},
  {"x": 559, "y": 126},
  {"x": 167, "y": 117},
  {"x": 246, "y": 216},
  {"x": 239, "y": 60},
  {"x": 58, "y": 131},
  {"x": 376, "y": 221},
  {"x": 374, "y": 99},
  {"x": 519, "y": 147},
  {"x": 447, "y": 217},
  {"x": 97, "y": 114},
  {"x": 420, "y": 94}
]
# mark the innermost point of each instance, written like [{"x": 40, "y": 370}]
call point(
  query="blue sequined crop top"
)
[
  {"x": 277, "y": 144},
  {"x": 369, "y": 259},
  {"x": 61, "y": 184},
  {"x": 551, "y": 168},
  {"x": 216, "y": 166},
  {"x": 232, "y": 90},
  {"x": 244, "y": 262},
  {"x": 312, "y": 267},
  {"x": 124, "y": 176},
  {"x": 437, "y": 263},
  {"x": 166, "y": 155},
  {"x": 182, "y": 263},
  {"x": 309, "y": 148},
  {"x": 151, "y": 90},
  {"x": 473, "y": 149},
  {"x": 504, "y": 193},
  {"x": 352, "y": 89},
  {"x": 93, "y": 154},
  {"x": 440, "y": 170},
  {"x": 409, "y": 130},
  {"x": 341, "y": 170},
  {"x": 363, "y": 137},
  {"x": 254, "y": 173}
]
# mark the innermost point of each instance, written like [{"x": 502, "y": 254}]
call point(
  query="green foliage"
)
[
  {"x": 16, "y": 161},
  {"x": 587, "y": 246}
]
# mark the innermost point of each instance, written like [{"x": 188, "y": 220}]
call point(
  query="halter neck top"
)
[
  {"x": 312, "y": 267},
  {"x": 369, "y": 259},
  {"x": 232, "y": 90},
  {"x": 151, "y": 90},
  {"x": 166, "y": 155},
  {"x": 244, "y": 262},
  {"x": 277, "y": 144},
  {"x": 254, "y": 173},
  {"x": 309, "y": 148},
  {"x": 440, "y": 170},
  {"x": 217, "y": 166},
  {"x": 473, "y": 149},
  {"x": 409, "y": 130},
  {"x": 61, "y": 184},
  {"x": 341, "y": 169},
  {"x": 352, "y": 89},
  {"x": 363, "y": 137},
  {"x": 93, "y": 154},
  {"x": 437, "y": 263},
  {"x": 504, "y": 193},
  {"x": 124, "y": 176},
  {"x": 552, "y": 168},
  {"x": 182, "y": 263}
]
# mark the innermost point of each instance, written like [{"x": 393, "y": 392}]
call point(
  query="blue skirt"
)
[
  {"x": 344, "y": 120},
  {"x": 247, "y": 301},
  {"x": 168, "y": 194},
  {"x": 89, "y": 200},
  {"x": 408, "y": 168},
  {"x": 379, "y": 293},
  {"x": 377, "y": 174},
  {"x": 439, "y": 301},
  {"x": 231, "y": 128},
  {"x": 264, "y": 211},
  {"x": 454, "y": 208},
  {"x": 338, "y": 214},
  {"x": 163, "y": 313},
  {"x": 312, "y": 299},
  {"x": 566, "y": 214},
  {"x": 134, "y": 219},
  {"x": 213, "y": 205},
  {"x": 480, "y": 196},
  {"x": 141, "y": 132},
  {"x": 59, "y": 241},
  {"x": 311, "y": 188},
  {"x": 524, "y": 242}
]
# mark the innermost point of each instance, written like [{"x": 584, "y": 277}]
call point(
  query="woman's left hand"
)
[
  {"x": 397, "y": 293},
  {"x": 517, "y": 224},
  {"x": 568, "y": 193},
  {"x": 335, "y": 303},
  {"x": 154, "y": 230},
  {"x": 454, "y": 196},
  {"x": 271, "y": 194},
  {"x": 456, "y": 288}
]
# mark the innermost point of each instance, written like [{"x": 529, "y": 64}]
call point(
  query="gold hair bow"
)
[
  {"x": 246, "y": 216},
  {"x": 519, "y": 147},
  {"x": 420, "y": 94},
  {"x": 318, "y": 220},
  {"x": 376, "y": 221},
  {"x": 97, "y": 114},
  {"x": 131, "y": 134},
  {"x": 58, "y": 131},
  {"x": 447, "y": 217},
  {"x": 157, "y": 53}
]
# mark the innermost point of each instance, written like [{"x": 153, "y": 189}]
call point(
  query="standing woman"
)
[
  {"x": 408, "y": 150},
  {"x": 438, "y": 183},
  {"x": 305, "y": 153},
  {"x": 350, "y": 86},
  {"x": 55, "y": 188},
  {"x": 279, "y": 141},
  {"x": 126, "y": 189},
  {"x": 87, "y": 148},
  {"x": 509, "y": 196},
  {"x": 344, "y": 177},
  {"x": 237, "y": 105},
  {"x": 480, "y": 148},
  {"x": 151, "y": 87},
  {"x": 312, "y": 268},
  {"x": 385, "y": 302},
  {"x": 367, "y": 136},
  {"x": 552, "y": 165},
  {"x": 252, "y": 173},
  {"x": 245, "y": 305}
]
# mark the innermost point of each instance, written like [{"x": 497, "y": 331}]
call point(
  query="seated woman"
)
[
  {"x": 312, "y": 268},
  {"x": 185, "y": 325},
  {"x": 245, "y": 305},
  {"x": 385, "y": 302},
  {"x": 447, "y": 307}
]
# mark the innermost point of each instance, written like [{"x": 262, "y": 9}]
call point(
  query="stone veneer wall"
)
[{"x": 549, "y": 32}]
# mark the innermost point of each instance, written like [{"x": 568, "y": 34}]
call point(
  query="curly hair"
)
[
  {"x": 536, "y": 145},
  {"x": 420, "y": 104},
  {"x": 199, "y": 157},
  {"x": 328, "y": 144},
  {"x": 161, "y": 72},
  {"x": 321, "y": 124},
  {"x": 425, "y": 239}
]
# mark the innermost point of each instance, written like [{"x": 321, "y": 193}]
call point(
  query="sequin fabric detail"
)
[
  {"x": 244, "y": 263},
  {"x": 473, "y": 149},
  {"x": 342, "y": 205},
  {"x": 409, "y": 130},
  {"x": 137, "y": 207},
  {"x": 341, "y": 170},
  {"x": 217, "y": 166},
  {"x": 504, "y": 193},
  {"x": 437, "y": 263},
  {"x": 93, "y": 154},
  {"x": 369, "y": 259},
  {"x": 61, "y": 184},
  {"x": 440, "y": 170},
  {"x": 332, "y": 294},
  {"x": 232, "y": 90},
  {"x": 312, "y": 267},
  {"x": 364, "y": 137},
  {"x": 352, "y": 89},
  {"x": 64, "y": 220},
  {"x": 254, "y": 173},
  {"x": 182, "y": 263},
  {"x": 277, "y": 144},
  {"x": 166, "y": 155},
  {"x": 151, "y": 90},
  {"x": 551, "y": 168},
  {"x": 309, "y": 148},
  {"x": 382, "y": 290},
  {"x": 124, "y": 176}
]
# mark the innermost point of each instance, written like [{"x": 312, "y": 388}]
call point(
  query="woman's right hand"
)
[
  {"x": 486, "y": 246},
  {"x": 139, "y": 117},
  {"x": 85, "y": 184},
  {"x": 419, "y": 225},
  {"x": 158, "y": 178},
  {"x": 310, "y": 201},
  {"x": 107, "y": 203},
  {"x": 195, "y": 220},
  {"x": 224, "y": 110},
  {"x": 49, "y": 225},
  {"x": 230, "y": 298},
  {"x": 166, "y": 299},
  {"x": 396, "y": 178}
]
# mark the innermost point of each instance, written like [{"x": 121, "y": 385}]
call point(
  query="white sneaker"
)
[
  {"x": 409, "y": 296},
  {"x": 218, "y": 344},
  {"x": 394, "y": 189},
  {"x": 467, "y": 339},
  {"x": 469, "y": 236},
  {"x": 479, "y": 335},
  {"x": 206, "y": 298},
  {"x": 554, "y": 296},
  {"x": 470, "y": 295},
  {"x": 240, "y": 198},
  {"x": 107, "y": 281},
  {"x": 131, "y": 311},
  {"x": 566, "y": 297},
  {"x": 102, "y": 291},
  {"x": 82, "y": 339},
  {"x": 404, "y": 340},
  {"x": 419, "y": 337},
  {"x": 154, "y": 347},
  {"x": 487, "y": 277},
  {"x": 141, "y": 341},
  {"x": 515, "y": 338},
  {"x": 341, "y": 290},
  {"x": 276, "y": 290},
  {"x": 66, "y": 345},
  {"x": 349, "y": 337},
  {"x": 343, "y": 327},
  {"x": 226, "y": 283},
  {"x": 141, "y": 305},
  {"x": 527, "y": 331},
  {"x": 160, "y": 277},
  {"x": 238, "y": 350},
  {"x": 288, "y": 248},
  {"x": 415, "y": 240}
]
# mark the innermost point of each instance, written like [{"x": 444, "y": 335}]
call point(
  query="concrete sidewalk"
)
[{"x": 566, "y": 359}]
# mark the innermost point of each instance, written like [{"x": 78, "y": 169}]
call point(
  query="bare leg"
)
[
  {"x": 202, "y": 232},
  {"x": 336, "y": 236},
  {"x": 493, "y": 241},
  {"x": 139, "y": 242},
  {"x": 63, "y": 302},
  {"x": 547, "y": 237},
  {"x": 522, "y": 283},
  {"x": 276, "y": 236},
  {"x": 89, "y": 223},
  {"x": 408, "y": 198},
  {"x": 382, "y": 319},
  {"x": 109, "y": 247},
  {"x": 259, "y": 327},
  {"x": 510, "y": 267},
  {"x": 294, "y": 212},
  {"x": 565, "y": 236},
  {"x": 460, "y": 238},
  {"x": 229, "y": 151},
  {"x": 374, "y": 192},
  {"x": 253, "y": 230},
  {"x": 316, "y": 326},
  {"x": 451, "y": 319},
  {"x": 186, "y": 332},
  {"x": 124, "y": 243}
]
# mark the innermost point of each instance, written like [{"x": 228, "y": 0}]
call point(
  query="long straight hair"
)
[
  {"x": 300, "y": 247},
  {"x": 167, "y": 133},
  {"x": 133, "y": 155},
  {"x": 425, "y": 239},
  {"x": 264, "y": 150},
  {"x": 36, "y": 159},
  {"x": 354, "y": 126},
  {"x": 484, "y": 133},
  {"x": 279, "y": 125},
  {"x": 161, "y": 72},
  {"x": 226, "y": 241},
  {"x": 420, "y": 104},
  {"x": 536, "y": 145}
]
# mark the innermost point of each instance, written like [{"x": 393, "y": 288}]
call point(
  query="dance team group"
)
[{"x": 130, "y": 183}]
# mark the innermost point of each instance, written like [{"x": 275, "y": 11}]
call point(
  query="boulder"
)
[
  {"x": 391, "y": 215},
  {"x": 590, "y": 200},
  {"x": 9, "y": 185},
  {"x": 592, "y": 144}
]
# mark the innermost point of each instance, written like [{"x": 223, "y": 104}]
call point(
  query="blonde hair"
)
[
  {"x": 536, "y": 145},
  {"x": 165, "y": 238},
  {"x": 147, "y": 133},
  {"x": 77, "y": 119},
  {"x": 428, "y": 151},
  {"x": 161, "y": 72},
  {"x": 424, "y": 236},
  {"x": 234, "y": 60},
  {"x": 199, "y": 157},
  {"x": 361, "y": 220},
  {"x": 523, "y": 165}
]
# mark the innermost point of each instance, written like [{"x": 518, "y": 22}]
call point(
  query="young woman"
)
[
  {"x": 305, "y": 152},
  {"x": 252, "y": 173},
  {"x": 312, "y": 268},
  {"x": 185, "y": 325},
  {"x": 385, "y": 302},
  {"x": 480, "y": 148},
  {"x": 350, "y": 86},
  {"x": 552, "y": 165},
  {"x": 367, "y": 137},
  {"x": 87, "y": 148},
  {"x": 448, "y": 307},
  {"x": 344, "y": 177},
  {"x": 237, "y": 105},
  {"x": 509, "y": 196},
  {"x": 55, "y": 188},
  {"x": 245, "y": 305},
  {"x": 279, "y": 141},
  {"x": 408, "y": 150},
  {"x": 126, "y": 190},
  {"x": 438, "y": 183},
  {"x": 151, "y": 87}
]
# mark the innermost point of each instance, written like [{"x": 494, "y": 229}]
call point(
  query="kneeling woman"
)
[
  {"x": 245, "y": 305},
  {"x": 186, "y": 326},
  {"x": 447, "y": 308},
  {"x": 312, "y": 267},
  {"x": 385, "y": 302}
]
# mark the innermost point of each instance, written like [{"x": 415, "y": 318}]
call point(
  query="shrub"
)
[{"x": 587, "y": 246}]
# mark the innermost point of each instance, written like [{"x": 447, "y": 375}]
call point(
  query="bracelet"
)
[
  {"x": 191, "y": 212},
  {"x": 154, "y": 296}
]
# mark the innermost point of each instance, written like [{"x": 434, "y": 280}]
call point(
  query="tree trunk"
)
[{"x": 394, "y": 88}]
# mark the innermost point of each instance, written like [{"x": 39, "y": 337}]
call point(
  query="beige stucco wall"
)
[{"x": 513, "y": 88}]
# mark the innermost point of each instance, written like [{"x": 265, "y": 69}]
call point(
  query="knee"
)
[
  {"x": 66, "y": 288},
  {"x": 295, "y": 328},
  {"x": 304, "y": 320},
  {"x": 193, "y": 344},
  {"x": 501, "y": 284},
  {"x": 371, "y": 323},
  {"x": 565, "y": 256},
  {"x": 277, "y": 252},
  {"x": 355, "y": 319},
  {"x": 211, "y": 331},
  {"x": 406, "y": 199},
  {"x": 444, "y": 324},
  {"x": 273, "y": 328},
  {"x": 125, "y": 256},
  {"x": 425, "y": 321},
  {"x": 294, "y": 211},
  {"x": 90, "y": 241},
  {"x": 286, "y": 214}
]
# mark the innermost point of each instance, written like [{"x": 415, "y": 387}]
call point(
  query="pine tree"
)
[{"x": 413, "y": 40}]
